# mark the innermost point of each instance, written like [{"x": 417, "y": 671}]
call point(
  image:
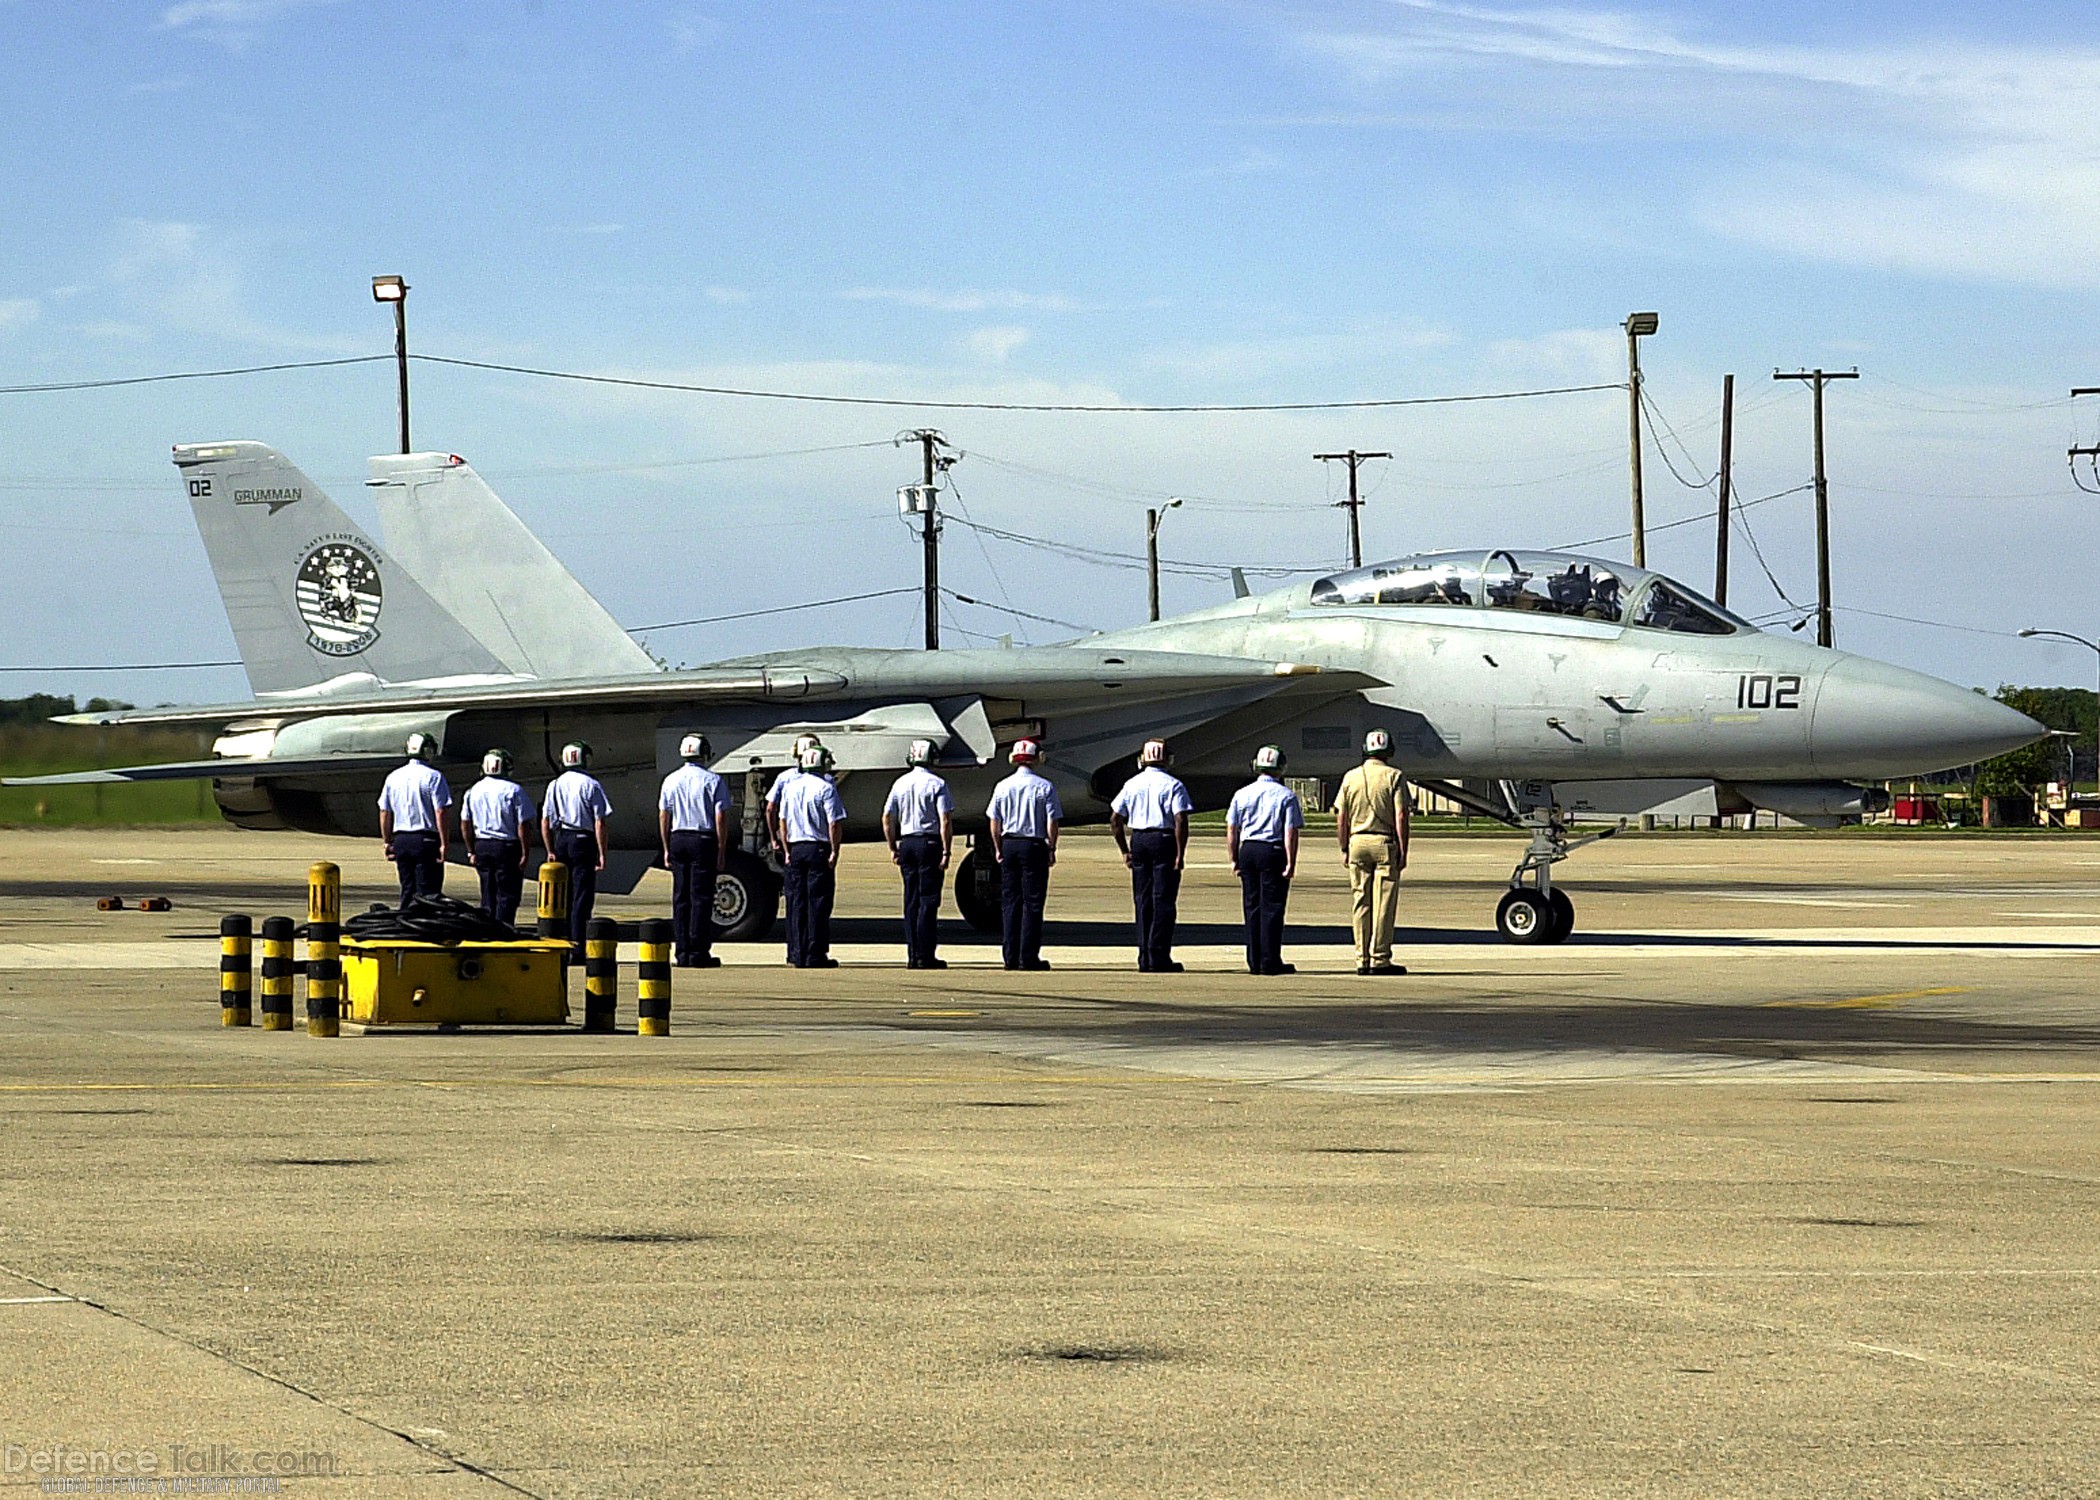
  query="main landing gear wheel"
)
[
  {"x": 747, "y": 899},
  {"x": 1524, "y": 917},
  {"x": 977, "y": 890}
]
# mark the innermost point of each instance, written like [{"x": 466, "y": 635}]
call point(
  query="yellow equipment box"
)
[{"x": 392, "y": 983}]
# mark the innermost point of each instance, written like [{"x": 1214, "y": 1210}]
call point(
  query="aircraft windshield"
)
[{"x": 1542, "y": 583}]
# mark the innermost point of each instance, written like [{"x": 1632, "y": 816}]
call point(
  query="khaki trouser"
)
[{"x": 1374, "y": 879}]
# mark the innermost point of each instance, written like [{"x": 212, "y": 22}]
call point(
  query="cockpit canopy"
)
[{"x": 1545, "y": 583}]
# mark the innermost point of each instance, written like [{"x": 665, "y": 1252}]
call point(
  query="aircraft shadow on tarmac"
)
[{"x": 1387, "y": 1018}]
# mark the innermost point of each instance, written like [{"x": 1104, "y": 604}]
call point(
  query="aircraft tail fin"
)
[
  {"x": 482, "y": 563},
  {"x": 311, "y": 599}
]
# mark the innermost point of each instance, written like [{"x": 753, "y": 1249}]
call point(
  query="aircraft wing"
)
[
  {"x": 199, "y": 770},
  {"x": 1053, "y": 671}
]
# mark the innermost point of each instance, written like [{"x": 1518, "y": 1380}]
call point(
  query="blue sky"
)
[{"x": 1137, "y": 203}]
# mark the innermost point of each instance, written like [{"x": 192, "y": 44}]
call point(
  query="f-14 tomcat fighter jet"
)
[{"x": 1529, "y": 686}]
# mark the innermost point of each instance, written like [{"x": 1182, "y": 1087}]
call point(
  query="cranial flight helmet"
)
[
  {"x": 575, "y": 755},
  {"x": 696, "y": 747},
  {"x": 803, "y": 742},
  {"x": 919, "y": 754},
  {"x": 1378, "y": 744},
  {"x": 816, "y": 758},
  {"x": 1025, "y": 753},
  {"x": 1154, "y": 754},
  {"x": 421, "y": 746},
  {"x": 496, "y": 762},
  {"x": 1268, "y": 758}
]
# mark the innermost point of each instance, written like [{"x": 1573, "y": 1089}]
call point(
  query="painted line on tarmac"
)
[
  {"x": 27, "y": 1301},
  {"x": 1869, "y": 1002}
]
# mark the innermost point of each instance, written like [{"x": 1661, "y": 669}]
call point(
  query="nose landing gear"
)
[{"x": 1538, "y": 913}]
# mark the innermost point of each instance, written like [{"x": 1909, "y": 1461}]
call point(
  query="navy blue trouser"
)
[
  {"x": 810, "y": 885},
  {"x": 919, "y": 858},
  {"x": 1155, "y": 887},
  {"x": 502, "y": 877},
  {"x": 1024, "y": 885},
  {"x": 578, "y": 849},
  {"x": 1263, "y": 892},
  {"x": 692, "y": 895},
  {"x": 416, "y": 861}
]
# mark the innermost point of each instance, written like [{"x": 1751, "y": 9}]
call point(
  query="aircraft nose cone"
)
[{"x": 1874, "y": 721}]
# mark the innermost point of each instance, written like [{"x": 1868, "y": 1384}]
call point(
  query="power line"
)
[
  {"x": 98, "y": 385},
  {"x": 128, "y": 666},
  {"x": 1008, "y": 609},
  {"x": 752, "y": 614},
  {"x": 1042, "y": 406},
  {"x": 1620, "y": 536},
  {"x": 1103, "y": 557}
]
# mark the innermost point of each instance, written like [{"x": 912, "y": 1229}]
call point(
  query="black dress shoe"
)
[
  {"x": 1363, "y": 968},
  {"x": 1040, "y": 963},
  {"x": 709, "y": 962},
  {"x": 1170, "y": 967},
  {"x": 934, "y": 963},
  {"x": 1387, "y": 969},
  {"x": 1282, "y": 969},
  {"x": 1013, "y": 968},
  {"x": 822, "y": 963}
]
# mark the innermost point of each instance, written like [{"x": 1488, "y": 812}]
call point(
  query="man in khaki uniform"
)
[{"x": 1370, "y": 822}]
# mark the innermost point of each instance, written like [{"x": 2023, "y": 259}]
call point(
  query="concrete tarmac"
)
[{"x": 1779, "y": 1179}]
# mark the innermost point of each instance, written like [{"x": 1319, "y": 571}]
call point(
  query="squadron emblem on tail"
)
[{"x": 339, "y": 598}]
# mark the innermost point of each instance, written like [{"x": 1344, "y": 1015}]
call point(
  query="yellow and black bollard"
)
[
  {"x": 277, "y": 973},
  {"x": 554, "y": 903},
  {"x": 652, "y": 986},
  {"x": 601, "y": 973},
  {"x": 236, "y": 971},
  {"x": 324, "y": 963}
]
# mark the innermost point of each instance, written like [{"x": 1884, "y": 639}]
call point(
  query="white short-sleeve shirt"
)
[
  {"x": 1024, "y": 805},
  {"x": 1151, "y": 799},
  {"x": 692, "y": 795},
  {"x": 498, "y": 808},
  {"x": 917, "y": 800},
  {"x": 414, "y": 794},
  {"x": 1263, "y": 809}
]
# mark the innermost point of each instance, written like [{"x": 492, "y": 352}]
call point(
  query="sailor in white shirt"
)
[
  {"x": 1024, "y": 815},
  {"x": 1150, "y": 820},
  {"x": 493, "y": 817},
  {"x": 809, "y": 821},
  {"x": 692, "y": 818},
  {"x": 412, "y": 817},
  {"x": 572, "y": 826},
  {"x": 1261, "y": 840},
  {"x": 918, "y": 820}
]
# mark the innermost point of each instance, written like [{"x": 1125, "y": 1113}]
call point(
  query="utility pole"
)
[
  {"x": 1355, "y": 502},
  {"x": 2088, "y": 451},
  {"x": 923, "y": 498},
  {"x": 1638, "y": 326},
  {"x": 1727, "y": 478},
  {"x": 1817, "y": 379},
  {"x": 1152, "y": 520}
]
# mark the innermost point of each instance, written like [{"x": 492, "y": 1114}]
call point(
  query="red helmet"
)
[{"x": 1025, "y": 753}]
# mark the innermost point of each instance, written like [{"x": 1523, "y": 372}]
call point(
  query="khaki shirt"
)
[{"x": 1373, "y": 800}]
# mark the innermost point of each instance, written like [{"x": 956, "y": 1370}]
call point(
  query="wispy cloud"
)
[
  {"x": 996, "y": 344},
  {"x": 963, "y": 301},
  {"x": 16, "y": 311},
  {"x": 233, "y": 24},
  {"x": 1934, "y": 156}
]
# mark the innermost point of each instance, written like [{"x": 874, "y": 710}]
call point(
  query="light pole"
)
[
  {"x": 1152, "y": 520},
  {"x": 1638, "y": 326},
  {"x": 393, "y": 289},
  {"x": 2064, "y": 635}
]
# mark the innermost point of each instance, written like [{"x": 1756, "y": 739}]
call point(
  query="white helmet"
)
[
  {"x": 1378, "y": 744},
  {"x": 695, "y": 747},
  {"x": 496, "y": 762},
  {"x": 421, "y": 746},
  {"x": 1268, "y": 758},
  {"x": 1025, "y": 753},
  {"x": 816, "y": 758},
  {"x": 803, "y": 745},
  {"x": 1154, "y": 753},
  {"x": 575, "y": 755},
  {"x": 920, "y": 753}
]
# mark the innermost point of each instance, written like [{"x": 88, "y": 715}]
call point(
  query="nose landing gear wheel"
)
[
  {"x": 1525, "y": 917},
  {"x": 1563, "y": 913}
]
